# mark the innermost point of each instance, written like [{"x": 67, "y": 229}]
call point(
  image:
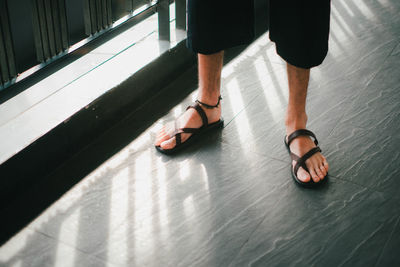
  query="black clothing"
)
[{"x": 300, "y": 29}]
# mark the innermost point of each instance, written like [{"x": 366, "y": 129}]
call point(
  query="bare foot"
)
[
  {"x": 317, "y": 164},
  {"x": 189, "y": 119}
]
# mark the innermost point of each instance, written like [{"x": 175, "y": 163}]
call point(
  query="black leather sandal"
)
[
  {"x": 301, "y": 161},
  {"x": 196, "y": 132}
]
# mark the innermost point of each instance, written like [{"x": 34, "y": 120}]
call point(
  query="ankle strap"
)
[{"x": 210, "y": 106}]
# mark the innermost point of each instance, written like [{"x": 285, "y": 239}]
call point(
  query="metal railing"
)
[{"x": 35, "y": 33}]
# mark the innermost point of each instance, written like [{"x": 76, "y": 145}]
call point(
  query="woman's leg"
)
[
  {"x": 210, "y": 67},
  {"x": 300, "y": 30},
  {"x": 213, "y": 26},
  {"x": 296, "y": 118}
]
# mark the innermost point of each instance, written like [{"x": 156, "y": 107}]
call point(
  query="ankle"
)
[
  {"x": 212, "y": 109},
  {"x": 209, "y": 100},
  {"x": 207, "y": 105},
  {"x": 295, "y": 122}
]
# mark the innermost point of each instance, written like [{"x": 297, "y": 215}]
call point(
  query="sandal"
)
[
  {"x": 196, "y": 132},
  {"x": 301, "y": 161}
]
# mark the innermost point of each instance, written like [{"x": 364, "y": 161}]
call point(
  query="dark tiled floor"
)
[{"x": 230, "y": 200}]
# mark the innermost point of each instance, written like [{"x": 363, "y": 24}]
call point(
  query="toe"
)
[
  {"x": 168, "y": 144},
  {"x": 161, "y": 138},
  {"x": 323, "y": 170},
  {"x": 303, "y": 176},
  {"x": 326, "y": 165},
  {"x": 319, "y": 173},
  {"x": 314, "y": 176}
]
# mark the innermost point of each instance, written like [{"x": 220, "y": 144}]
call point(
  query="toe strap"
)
[
  {"x": 301, "y": 161},
  {"x": 189, "y": 130},
  {"x": 178, "y": 139},
  {"x": 178, "y": 133},
  {"x": 301, "y": 132}
]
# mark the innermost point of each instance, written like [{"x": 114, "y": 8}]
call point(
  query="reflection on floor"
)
[{"x": 230, "y": 200}]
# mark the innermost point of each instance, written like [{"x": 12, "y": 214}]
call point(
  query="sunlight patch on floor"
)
[
  {"x": 237, "y": 105},
  {"x": 71, "y": 236},
  {"x": 338, "y": 19},
  {"x": 143, "y": 215},
  {"x": 161, "y": 179},
  {"x": 234, "y": 94},
  {"x": 188, "y": 207},
  {"x": 273, "y": 101},
  {"x": 348, "y": 9},
  {"x": 203, "y": 174},
  {"x": 119, "y": 208},
  {"x": 16, "y": 245},
  {"x": 364, "y": 9},
  {"x": 184, "y": 170}
]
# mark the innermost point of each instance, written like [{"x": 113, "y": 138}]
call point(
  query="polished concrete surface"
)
[{"x": 230, "y": 200}]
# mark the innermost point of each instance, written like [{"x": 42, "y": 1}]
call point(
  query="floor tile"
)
[
  {"x": 105, "y": 199},
  {"x": 359, "y": 46},
  {"x": 366, "y": 157},
  {"x": 342, "y": 225},
  {"x": 389, "y": 256},
  {"x": 200, "y": 216},
  {"x": 378, "y": 105},
  {"x": 30, "y": 248}
]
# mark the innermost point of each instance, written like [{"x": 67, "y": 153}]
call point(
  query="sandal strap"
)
[
  {"x": 178, "y": 139},
  {"x": 301, "y": 162},
  {"x": 201, "y": 112},
  {"x": 294, "y": 156},
  {"x": 203, "y": 116},
  {"x": 189, "y": 130},
  {"x": 178, "y": 134},
  {"x": 209, "y": 106},
  {"x": 301, "y": 132}
]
